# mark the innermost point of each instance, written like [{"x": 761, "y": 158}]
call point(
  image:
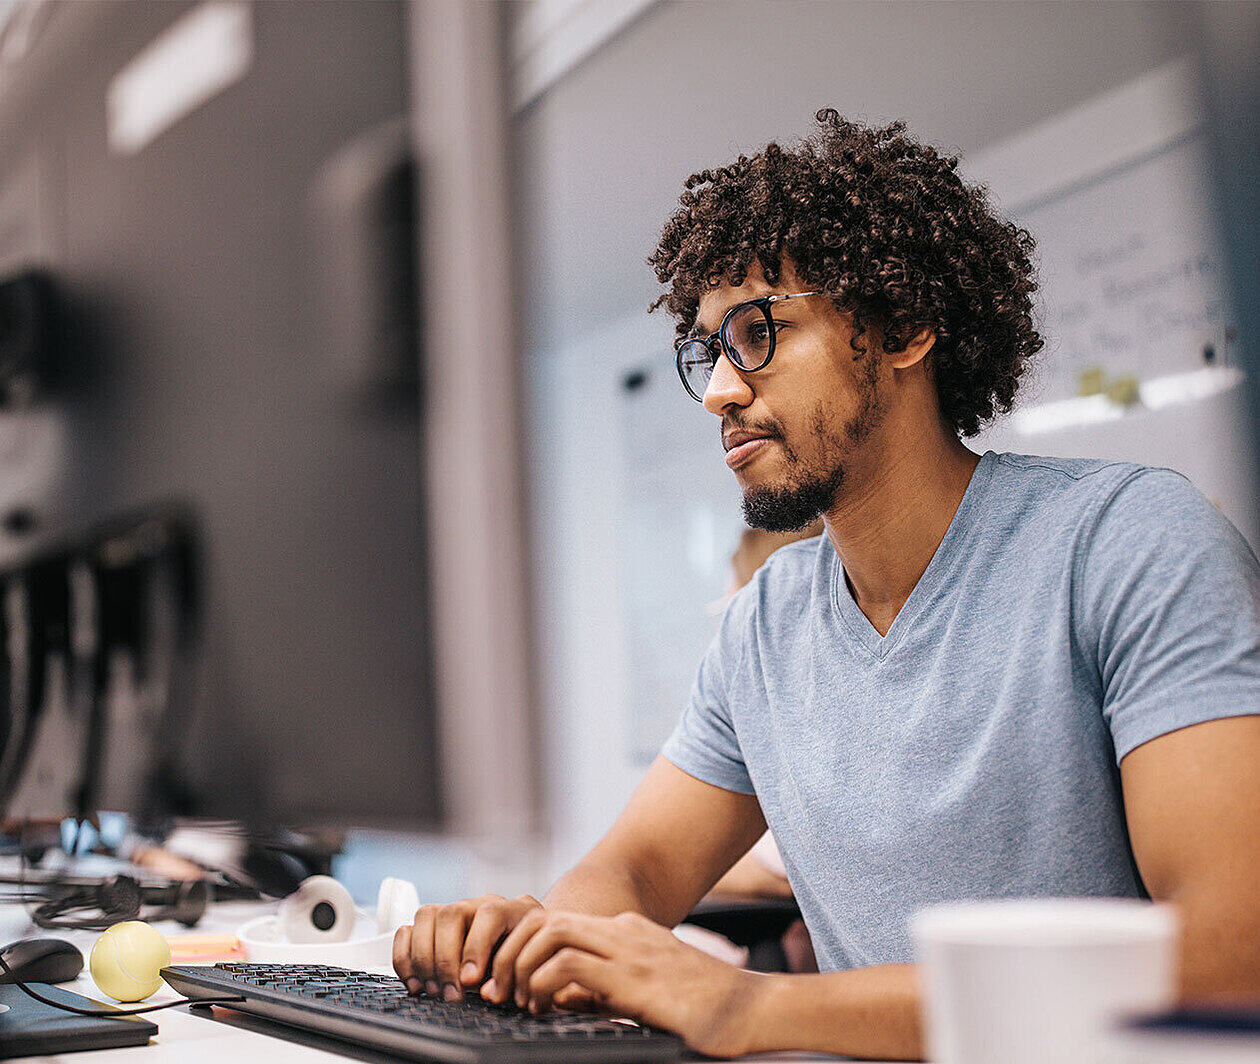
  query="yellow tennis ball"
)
[{"x": 126, "y": 959}]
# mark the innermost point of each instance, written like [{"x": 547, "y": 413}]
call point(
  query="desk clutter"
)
[
  {"x": 131, "y": 958},
  {"x": 339, "y": 999},
  {"x": 318, "y": 931},
  {"x": 319, "y": 923}
]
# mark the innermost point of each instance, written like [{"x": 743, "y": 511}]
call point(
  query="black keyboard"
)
[{"x": 376, "y": 1011}]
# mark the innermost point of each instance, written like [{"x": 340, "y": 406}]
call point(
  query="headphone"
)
[{"x": 121, "y": 898}]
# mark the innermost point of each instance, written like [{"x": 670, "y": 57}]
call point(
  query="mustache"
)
[{"x": 735, "y": 423}]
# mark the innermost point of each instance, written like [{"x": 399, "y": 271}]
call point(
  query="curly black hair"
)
[{"x": 888, "y": 228}]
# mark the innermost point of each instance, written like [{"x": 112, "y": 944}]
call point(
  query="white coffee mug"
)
[{"x": 1040, "y": 980}]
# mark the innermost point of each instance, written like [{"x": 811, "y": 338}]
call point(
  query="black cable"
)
[
  {"x": 110, "y": 1013},
  {"x": 26, "y": 823}
]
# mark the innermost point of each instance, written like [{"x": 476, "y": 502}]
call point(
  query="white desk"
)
[{"x": 224, "y": 1037}]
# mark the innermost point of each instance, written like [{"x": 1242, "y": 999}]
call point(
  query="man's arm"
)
[
  {"x": 604, "y": 929},
  {"x": 675, "y": 838},
  {"x": 633, "y": 967},
  {"x": 671, "y": 843},
  {"x": 1192, "y": 799}
]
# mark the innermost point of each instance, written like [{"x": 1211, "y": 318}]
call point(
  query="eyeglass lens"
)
[
  {"x": 695, "y": 366},
  {"x": 747, "y": 337}
]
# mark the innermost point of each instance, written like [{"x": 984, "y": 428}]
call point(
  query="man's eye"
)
[{"x": 759, "y": 331}]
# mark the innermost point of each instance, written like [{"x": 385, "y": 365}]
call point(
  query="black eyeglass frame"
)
[{"x": 725, "y": 347}]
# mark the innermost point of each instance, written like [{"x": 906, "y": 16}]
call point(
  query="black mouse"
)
[{"x": 41, "y": 960}]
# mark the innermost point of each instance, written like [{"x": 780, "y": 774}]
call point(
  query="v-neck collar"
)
[{"x": 943, "y": 562}]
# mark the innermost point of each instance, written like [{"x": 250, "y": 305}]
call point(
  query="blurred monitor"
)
[{"x": 216, "y": 592}]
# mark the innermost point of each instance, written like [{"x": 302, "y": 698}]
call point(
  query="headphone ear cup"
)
[
  {"x": 320, "y": 910},
  {"x": 191, "y": 899},
  {"x": 396, "y": 904},
  {"x": 184, "y": 902},
  {"x": 119, "y": 898}
]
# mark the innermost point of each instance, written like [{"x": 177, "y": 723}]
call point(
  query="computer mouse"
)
[{"x": 41, "y": 960}]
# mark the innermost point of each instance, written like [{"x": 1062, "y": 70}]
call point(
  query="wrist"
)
[{"x": 765, "y": 1000}]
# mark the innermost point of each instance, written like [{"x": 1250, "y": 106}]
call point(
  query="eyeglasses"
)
[{"x": 746, "y": 337}]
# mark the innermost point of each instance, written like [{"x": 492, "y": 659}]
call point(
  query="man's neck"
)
[{"x": 887, "y": 527}]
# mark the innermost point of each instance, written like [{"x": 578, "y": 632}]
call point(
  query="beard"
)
[
  {"x": 793, "y": 507},
  {"x": 810, "y": 493}
]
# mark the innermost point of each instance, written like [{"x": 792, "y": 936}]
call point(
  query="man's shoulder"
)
[
  {"x": 1113, "y": 510},
  {"x": 1083, "y": 489},
  {"x": 1087, "y": 475}
]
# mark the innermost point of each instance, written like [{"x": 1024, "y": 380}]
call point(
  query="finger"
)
[
  {"x": 574, "y": 998},
  {"x": 422, "y": 947},
  {"x": 448, "y": 947},
  {"x": 600, "y": 935},
  {"x": 569, "y": 965},
  {"x": 402, "y": 959},
  {"x": 502, "y": 984},
  {"x": 487, "y": 927}
]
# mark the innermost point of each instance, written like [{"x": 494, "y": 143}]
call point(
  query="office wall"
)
[
  {"x": 602, "y": 156},
  {"x": 1143, "y": 346}
]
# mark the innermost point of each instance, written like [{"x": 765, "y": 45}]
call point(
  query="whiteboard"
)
[
  {"x": 1116, "y": 194},
  {"x": 1131, "y": 274},
  {"x": 1117, "y": 197},
  {"x": 680, "y": 521}
]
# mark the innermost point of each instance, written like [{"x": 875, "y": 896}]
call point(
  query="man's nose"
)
[{"x": 727, "y": 387}]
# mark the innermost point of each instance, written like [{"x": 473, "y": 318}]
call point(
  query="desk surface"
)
[{"x": 187, "y": 1037}]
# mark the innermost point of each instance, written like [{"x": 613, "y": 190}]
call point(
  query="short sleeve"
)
[
  {"x": 1170, "y": 594},
  {"x": 704, "y": 743}
]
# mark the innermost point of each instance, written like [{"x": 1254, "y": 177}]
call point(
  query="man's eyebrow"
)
[{"x": 698, "y": 329}]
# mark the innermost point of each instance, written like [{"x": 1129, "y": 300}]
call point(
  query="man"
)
[{"x": 993, "y": 676}]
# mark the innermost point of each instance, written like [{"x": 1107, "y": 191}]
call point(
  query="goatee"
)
[{"x": 791, "y": 509}]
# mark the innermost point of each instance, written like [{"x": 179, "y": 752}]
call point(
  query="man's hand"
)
[
  {"x": 448, "y": 947},
  {"x": 628, "y": 966}
]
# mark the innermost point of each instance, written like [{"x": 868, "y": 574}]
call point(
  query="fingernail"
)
[
  {"x": 413, "y": 986},
  {"x": 468, "y": 973},
  {"x": 520, "y": 999},
  {"x": 451, "y": 992},
  {"x": 431, "y": 988},
  {"x": 534, "y": 1006},
  {"x": 490, "y": 990}
]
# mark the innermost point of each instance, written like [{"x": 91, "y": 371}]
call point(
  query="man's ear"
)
[{"x": 914, "y": 351}]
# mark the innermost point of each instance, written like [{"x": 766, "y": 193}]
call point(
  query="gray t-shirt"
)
[{"x": 1074, "y": 610}]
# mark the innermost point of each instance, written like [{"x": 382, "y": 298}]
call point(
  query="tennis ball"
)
[{"x": 126, "y": 959}]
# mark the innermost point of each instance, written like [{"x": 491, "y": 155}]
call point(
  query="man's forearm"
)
[
  {"x": 600, "y": 889},
  {"x": 1220, "y": 946},
  {"x": 867, "y": 1012}
]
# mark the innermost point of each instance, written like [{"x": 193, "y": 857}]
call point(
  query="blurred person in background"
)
[{"x": 993, "y": 676}]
